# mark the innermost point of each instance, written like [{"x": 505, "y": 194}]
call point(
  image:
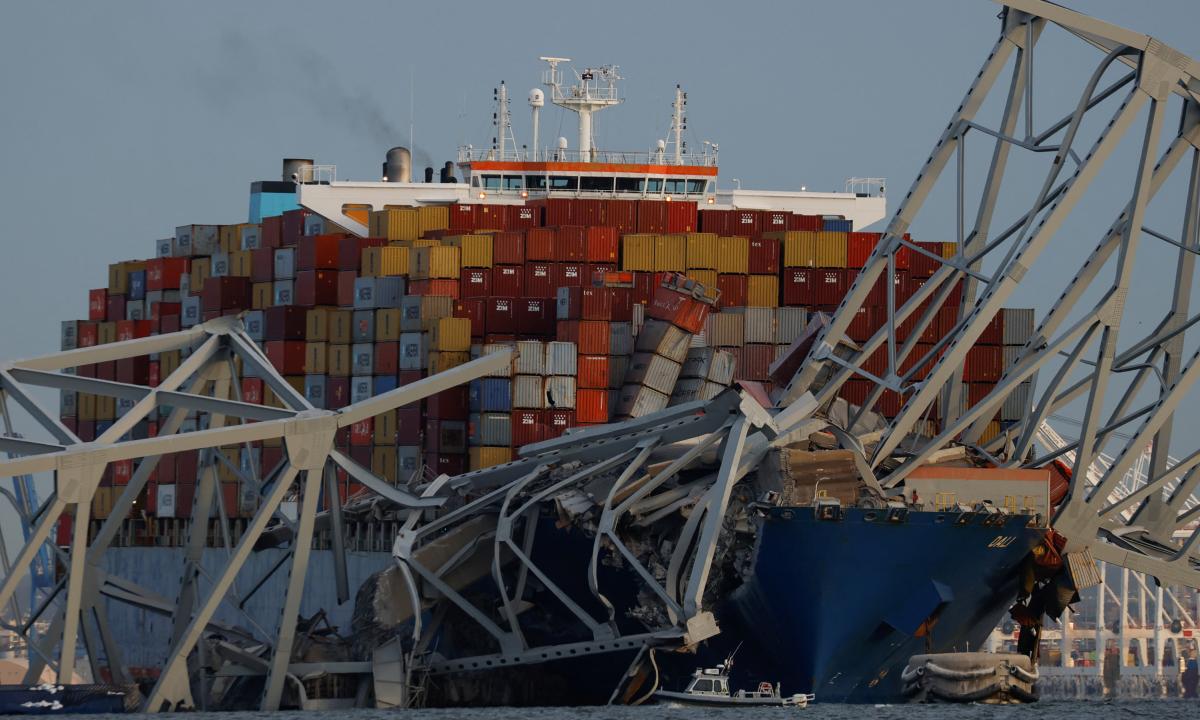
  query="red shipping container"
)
[
  {"x": 675, "y": 307},
  {"x": 923, "y": 265},
  {"x": 159, "y": 310},
  {"x": 86, "y": 430},
  {"x": 715, "y": 221},
  {"x": 754, "y": 361},
  {"x": 559, "y": 211},
  {"x": 451, "y": 404},
  {"x": 318, "y": 287},
  {"x": 829, "y": 286},
  {"x": 539, "y": 244},
  {"x": 271, "y": 234},
  {"x": 500, "y": 316},
  {"x": 337, "y": 393},
  {"x": 442, "y": 288},
  {"x": 491, "y": 217},
  {"x": 345, "y": 287},
  {"x": 462, "y": 216},
  {"x": 114, "y": 307},
  {"x": 443, "y": 464},
  {"x": 387, "y": 358},
  {"x": 262, "y": 265},
  {"x": 643, "y": 287},
  {"x": 184, "y": 495},
  {"x": 601, "y": 244},
  {"x": 285, "y": 322},
  {"x": 805, "y": 222},
  {"x": 534, "y": 316},
  {"x": 98, "y": 304},
  {"x": 122, "y": 470},
  {"x": 508, "y": 248},
  {"x": 226, "y": 293},
  {"x": 132, "y": 329},
  {"x": 154, "y": 378},
  {"x": 985, "y": 363},
  {"x": 622, "y": 304},
  {"x": 621, "y": 215},
  {"x": 746, "y": 223},
  {"x": 521, "y": 217},
  {"x": 286, "y": 355},
  {"x": 592, "y": 270},
  {"x": 106, "y": 370},
  {"x": 508, "y": 281},
  {"x": 409, "y": 425},
  {"x": 186, "y": 466},
  {"x": 164, "y": 273},
  {"x": 566, "y": 275},
  {"x": 591, "y": 405},
  {"x": 773, "y": 220},
  {"x": 764, "y": 256},
  {"x": 592, "y": 371},
  {"x": 363, "y": 432},
  {"x": 252, "y": 390},
  {"x": 88, "y": 334},
  {"x": 293, "y": 226},
  {"x": 527, "y": 427},
  {"x": 475, "y": 282},
  {"x": 318, "y": 252},
  {"x": 652, "y": 216},
  {"x": 681, "y": 216},
  {"x": 569, "y": 244},
  {"x": 588, "y": 212},
  {"x": 64, "y": 530},
  {"x": 859, "y": 246},
  {"x": 557, "y": 422},
  {"x": 594, "y": 337},
  {"x": 361, "y": 454},
  {"x": 132, "y": 371},
  {"x": 993, "y": 332},
  {"x": 350, "y": 250},
  {"x": 475, "y": 310},
  {"x": 799, "y": 287},
  {"x": 866, "y": 321},
  {"x": 733, "y": 290},
  {"x": 539, "y": 283}
]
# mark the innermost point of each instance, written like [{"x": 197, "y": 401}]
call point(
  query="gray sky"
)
[{"x": 125, "y": 119}]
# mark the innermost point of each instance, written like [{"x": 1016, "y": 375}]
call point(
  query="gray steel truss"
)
[
  {"x": 1126, "y": 376},
  {"x": 204, "y": 381}
]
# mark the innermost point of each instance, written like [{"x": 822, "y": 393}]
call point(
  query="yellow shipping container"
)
[
  {"x": 707, "y": 278},
  {"x": 476, "y": 251},
  {"x": 451, "y": 334},
  {"x": 106, "y": 408},
  {"x": 670, "y": 253},
  {"x": 799, "y": 247},
  {"x": 395, "y": 224},
  {"x": 341, "y": 326},
  {"x": 990, "y": 432},
  {"x": 703, "y": 251},
  {"x": 383, "y": 462},
  {"x": 437, "y": 261},
  {"x": 762, "y": 291},
  {"x": 316, "y": 324},
  {"x": 637, "y": 252},
  {"x": 387, "y": 325},
  {"x": 442, "y": 361},
  {"x": 315, "y": 358},
  {"x": 106, "y": 332},
  {"x": 228, "y": 238},
  {"x": 432, "y": 217},
  {"x": 201, "y": 270},
  {"x": 168, "y": 362},
  {"x": 733, "y": 255},
  {"x": 949, "y": 249},
  {"x": 118, "y": 275},
  {"x": 86, "y": 407},
  {"x": 484, "y": 457},
  {"x": 239, "y": 263},
  {"x": 102, "y": 503},
  {"x": 831, "y": 250},
  {"x": 426, "y": 242},
  {"x": 387, "y": 261},
  {"x": 262, "y": 295},
  {"x": 433, "y": 309},
  {"x": 338, "y": 362}
]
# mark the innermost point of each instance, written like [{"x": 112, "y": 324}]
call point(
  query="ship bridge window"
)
[
  {"x": 676, "y": 186},
  {"x": 562, "y": 182},
  {"x": 513, "y": 182},
  {"x": 535, "y": 182},
  {"x": 628, "y": 184},
  {"x": 491, "y": 182},
  {"x": 596, "y": 184},
  {"x": 696, "y": 186},
  {"x": 654, "y": 185}
]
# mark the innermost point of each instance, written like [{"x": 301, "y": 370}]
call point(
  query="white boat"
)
[{"x": 709, "y": 687}]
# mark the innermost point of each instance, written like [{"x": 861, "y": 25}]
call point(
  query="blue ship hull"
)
[{"x": 836, "y": 608}]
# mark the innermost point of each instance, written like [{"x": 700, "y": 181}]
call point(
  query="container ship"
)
[{"x": 353, "y": 289}]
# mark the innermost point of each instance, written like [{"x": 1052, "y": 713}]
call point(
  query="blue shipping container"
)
[
  {"x": 384, "y": 383},
  {"x": 495, "y": 395}
]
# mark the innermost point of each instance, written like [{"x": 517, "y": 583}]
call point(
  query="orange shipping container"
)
[
  {"x": 593, "y": 372},
  {"x": 591, "y": 405}
]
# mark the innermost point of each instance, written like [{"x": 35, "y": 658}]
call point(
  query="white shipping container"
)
[
  {"x": 758, "y": 324},
  {"x": 412, "y": 351},
  {"x": 711, "y": 364},
  {"x": 251, "y": 237},
  {"x": 490, "y": 348},
  {"x": 1018, "y": 404},
  {"x": 560, "y": 392},
  {"x": 663, "y": 338},
  {"x": 495, "y": 429},
  {"x": 789, "y": 323},
  {"x": 620, "y": 338},
  {"x": 725, "y": 329},
  {"x": 531, "y": 358},
  {"x": 1018, "y": 325},
  {"x": 165, "y": 501},
  {"x": 220, "y": 265},
  {"x": 561, "y": 358},
  {"x": 285, "y": 263},
  {"x": 360, "y": 388},
  {"x": 136, "y": 310},
  {"x": 639, "y": 400},
  {"x": 162, "y": 248},
  {"x": 283, "y": 292},
  {"x": 528, "y": 392},
  {"x": 653, "y": 371},
  {"x": 690, "y": 389},
  {"x": 618, "y": 365},
  {"x": 1010, "y": 355},
  {"x": 638, "y": 318}
]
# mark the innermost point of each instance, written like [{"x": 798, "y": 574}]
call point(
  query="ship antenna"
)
[
  {"x": 678, "y": 123},
  {"x": 502, "y": 120}
]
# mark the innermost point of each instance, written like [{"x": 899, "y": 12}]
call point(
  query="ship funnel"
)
[
  {"x": 297, "y": 170},
  {"x": 428, "y": 174},
  {"x": 398, "y": 167},
  {"x": 447, "y": 174}
]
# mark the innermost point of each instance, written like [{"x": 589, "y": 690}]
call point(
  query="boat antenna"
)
[{"x": 729, "y": 660}]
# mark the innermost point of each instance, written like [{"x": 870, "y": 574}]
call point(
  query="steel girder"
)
[
  {"x": 509, "y": 495},
  {"x": 1094, "y": 355},
  {"x": 205, "y": 381}
]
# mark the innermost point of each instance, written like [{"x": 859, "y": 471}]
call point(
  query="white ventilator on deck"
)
[{"x": 595, "y": 89}]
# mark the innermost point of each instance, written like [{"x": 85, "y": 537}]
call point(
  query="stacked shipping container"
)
[{"x": 615, "y": 308}]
